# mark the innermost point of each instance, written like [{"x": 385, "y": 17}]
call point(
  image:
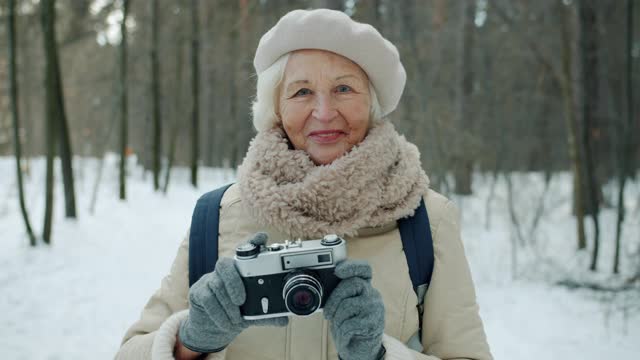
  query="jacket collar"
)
[{"x": 377, "y": 230}]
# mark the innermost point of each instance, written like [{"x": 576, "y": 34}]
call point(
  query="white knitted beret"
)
[{"x": 335, "y": 31}]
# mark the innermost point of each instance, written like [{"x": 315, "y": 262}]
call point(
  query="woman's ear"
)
[{"x": 280, "y": 126}]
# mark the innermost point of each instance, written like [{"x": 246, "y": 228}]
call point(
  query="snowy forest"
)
[{"x": 116, "y": 115}]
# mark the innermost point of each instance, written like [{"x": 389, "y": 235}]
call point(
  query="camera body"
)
[{"x": 294, "y": 277}]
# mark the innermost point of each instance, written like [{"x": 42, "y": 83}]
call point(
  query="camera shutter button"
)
[
  {"x": 275, "y": 247},
  {"x": 265, "y": 305}
]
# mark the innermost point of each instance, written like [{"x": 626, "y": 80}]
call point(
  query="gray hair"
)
[{"x": 268, "y": 93}]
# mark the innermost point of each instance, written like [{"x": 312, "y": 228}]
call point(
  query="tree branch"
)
[{"x": 530, "y": 42}]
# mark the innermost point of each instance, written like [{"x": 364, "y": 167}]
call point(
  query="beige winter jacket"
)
[{"x": 452, "y": 328}]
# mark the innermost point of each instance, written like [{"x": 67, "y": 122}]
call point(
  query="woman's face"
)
[{"x": 324, "y": 104}]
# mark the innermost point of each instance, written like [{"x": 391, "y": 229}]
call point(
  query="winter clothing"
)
[
  {"x": 382, "y": 175},
  {"x": 259, "y": 239},
  {"x": 356, "y": 312},
  {"x": 452, "y": 328},
  {"x": 214, "y": 312},
  {"x": 336, "y": 32}
]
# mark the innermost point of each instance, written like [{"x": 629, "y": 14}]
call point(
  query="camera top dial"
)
[{"x": 247, "y": 251}]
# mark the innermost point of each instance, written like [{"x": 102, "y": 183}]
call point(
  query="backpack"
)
[{"x": 415, "y": 233}]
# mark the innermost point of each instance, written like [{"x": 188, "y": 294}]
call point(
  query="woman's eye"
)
[
  {"x": 343, "y": 88},
  {"x": 302, "y": 92}
]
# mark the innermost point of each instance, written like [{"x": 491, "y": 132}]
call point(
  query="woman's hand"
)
[
  {"x": 214, "y": 315},
  {"x": 356, "y": 312}
]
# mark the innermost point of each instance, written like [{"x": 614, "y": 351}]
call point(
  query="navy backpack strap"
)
[
  {"x": 418, "y": 249},
  {"x": 203, "y": 236}
]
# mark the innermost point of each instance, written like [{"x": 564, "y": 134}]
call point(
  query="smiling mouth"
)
[{"x": 326, "y": 136}]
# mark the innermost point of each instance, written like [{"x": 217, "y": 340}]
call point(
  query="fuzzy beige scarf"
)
[{"x": 380, "y": 180}]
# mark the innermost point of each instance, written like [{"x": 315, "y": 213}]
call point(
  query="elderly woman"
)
[{"x": 325, "y": 161}]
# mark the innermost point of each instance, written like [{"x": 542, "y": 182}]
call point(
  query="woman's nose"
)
[{"x": 324, "y": 109}]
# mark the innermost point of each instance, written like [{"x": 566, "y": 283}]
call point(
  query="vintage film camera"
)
[{"x": 294, "y": 277}]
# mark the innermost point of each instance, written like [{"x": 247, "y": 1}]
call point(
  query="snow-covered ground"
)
[{"x": 76, "y": 298}]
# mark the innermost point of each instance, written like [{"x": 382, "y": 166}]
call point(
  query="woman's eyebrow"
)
[
  {"x": 346, "y": 76},
  {"x": 296, "y": 82}
]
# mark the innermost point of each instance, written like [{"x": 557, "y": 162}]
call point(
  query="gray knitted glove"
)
[
  {"x": 356, "y": 313},
  {"x": 214, "y": 315}
]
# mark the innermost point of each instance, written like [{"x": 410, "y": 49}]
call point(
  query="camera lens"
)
[
  {"x": 302, "y": 299},
  {"x": 302, "y": 293}
]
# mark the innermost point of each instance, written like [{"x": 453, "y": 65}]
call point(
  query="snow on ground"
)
[{"x": 78, "y": 296}]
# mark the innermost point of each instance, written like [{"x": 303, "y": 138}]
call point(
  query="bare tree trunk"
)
[
  {"x": 66, "y": 152},
  {"x": 423, "y": 125},
  {"x": 155, "y": 91},
  {"x": 47, "y": 21},
  {"x": 242, "y": 133},
  {"x": 24, "y": 52},
  {"x": 626, "y": 147},
  {"x": 589, "y": 56},
  {"x": 195, "y": 92},
  {"x": 56, "y": 121},
  {"x": 231, "y": 151},
  {"x": 172, "y": 154},
  {"x": 178, "y": 108},
  {"x": 211, "y": 120},
  {"x": 124, "y": 122},
  {"x": 568, "y": 87},
  {"x": 517, "y": 239},
  {"x": 13, "y": 85},
  {"x": 57, "y": 109},
  {"x": 463, "y": 165},
  {"x": 96, "y": 185}
]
